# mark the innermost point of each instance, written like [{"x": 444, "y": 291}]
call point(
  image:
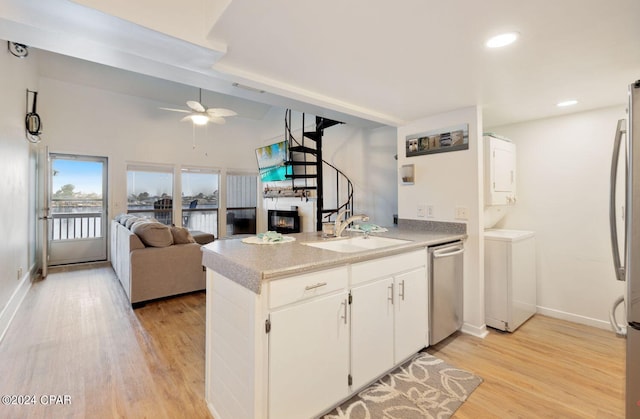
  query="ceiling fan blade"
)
[
  {"x": 196, "y": 106},
  {"x": 217, "y": 120},
  {"x": 222, "y": 112},
  {"x": 175, "y": 110}
]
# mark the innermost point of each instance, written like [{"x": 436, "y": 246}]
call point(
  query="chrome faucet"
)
[{"x": 341, "y": 225}]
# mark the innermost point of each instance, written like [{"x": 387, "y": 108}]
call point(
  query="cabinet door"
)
[
  {"x": 411, "y": 313},
  {"x": 371, "y": 330},
  {"x": 503, "y": 169},
  {"x": 500, "y": 172},
  {"x": 308, "y": 357}
]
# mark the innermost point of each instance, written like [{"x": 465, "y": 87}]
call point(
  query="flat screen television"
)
[{"x": 271, "y": 162}]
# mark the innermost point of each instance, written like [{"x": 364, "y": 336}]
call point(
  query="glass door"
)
[{"x": 77, "y": 209}]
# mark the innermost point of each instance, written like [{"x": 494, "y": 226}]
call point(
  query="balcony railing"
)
[{"x": 76, "y": 225}]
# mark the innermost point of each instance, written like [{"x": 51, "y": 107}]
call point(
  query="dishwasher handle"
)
[{"x": 448, "y": 251}]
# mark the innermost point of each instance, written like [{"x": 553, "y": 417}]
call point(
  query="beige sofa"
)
[{"x": 154, "y": 270}]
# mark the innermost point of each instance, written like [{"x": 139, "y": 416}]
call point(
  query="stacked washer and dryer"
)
[{"x": 510, "y": 255}]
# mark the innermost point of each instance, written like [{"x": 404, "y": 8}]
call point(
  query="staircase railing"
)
[{"x": 344, "y": 201}]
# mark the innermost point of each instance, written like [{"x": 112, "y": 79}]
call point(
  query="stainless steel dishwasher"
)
[{"x": 445, "y": 290}]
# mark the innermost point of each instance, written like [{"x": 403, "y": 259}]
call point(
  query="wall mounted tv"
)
[{"x": 271, "y": 162}]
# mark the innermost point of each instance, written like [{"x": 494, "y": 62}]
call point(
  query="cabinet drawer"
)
[
  {"x": 301, "y": 287},
  {"x": 390, "y": 265}
]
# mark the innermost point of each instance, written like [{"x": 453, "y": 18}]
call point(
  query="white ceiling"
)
[{"x": 388, "y": 62}]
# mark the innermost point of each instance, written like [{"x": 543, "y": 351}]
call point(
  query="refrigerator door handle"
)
[
  {"x": 621, "y": 331},
  {"x": 617, "y": 263}
]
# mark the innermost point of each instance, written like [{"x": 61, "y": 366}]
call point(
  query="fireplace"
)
[{"x": 284, "y": 221}]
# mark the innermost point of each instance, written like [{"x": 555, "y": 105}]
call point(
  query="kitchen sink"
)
[{"x": 356, "y": 244}]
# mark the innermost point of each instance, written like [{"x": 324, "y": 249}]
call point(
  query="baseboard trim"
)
[
  {"x": 477, "y": 331},
  {"x": 213, "y": 411},
  {"x": 575, "y": 318},
  {"x": 9, "y": 311}
]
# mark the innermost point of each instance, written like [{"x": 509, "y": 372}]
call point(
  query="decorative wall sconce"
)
[{"x": 407, "y": 174}]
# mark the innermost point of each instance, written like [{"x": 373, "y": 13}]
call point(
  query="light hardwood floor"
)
[{"x": 76, "y": 335}]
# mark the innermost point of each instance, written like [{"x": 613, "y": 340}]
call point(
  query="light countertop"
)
[{"x": 252, "y": 264}]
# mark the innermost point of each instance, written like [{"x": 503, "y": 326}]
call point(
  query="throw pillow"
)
[
  {"x": 130, "y": 221},
  {"x": 181, "y": 235},
  {"x": 153, "y": 234}
]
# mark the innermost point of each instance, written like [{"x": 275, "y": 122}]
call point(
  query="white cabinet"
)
[
  {"x": 410, "y": 313},
  {"x": 388, "y": 314},
  {"x": 500, "y": 171},
  {"x": 371, "y": 330},
  {"x": 308, "y": 357},
  {"x": 293, "y": 350},
  {"x": 308, "y": 344}
]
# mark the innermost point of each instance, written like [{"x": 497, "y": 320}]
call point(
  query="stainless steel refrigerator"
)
[{"x": 627, "y": 259}]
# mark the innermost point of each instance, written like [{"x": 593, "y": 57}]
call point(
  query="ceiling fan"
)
[{"x": 200, "y": 115}]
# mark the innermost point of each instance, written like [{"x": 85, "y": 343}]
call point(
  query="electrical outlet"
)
[
  {"x": 422, "y": 210},
  {"x": 19, "y": 273},
  {"x": 430, "y": 211},
  {"x": 462, "y": 213}
]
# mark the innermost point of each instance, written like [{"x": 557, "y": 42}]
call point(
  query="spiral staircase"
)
[{"x": 310, "y": 171}]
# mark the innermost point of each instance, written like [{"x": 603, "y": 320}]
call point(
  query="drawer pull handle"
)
[{"x": 314, "y": 286}]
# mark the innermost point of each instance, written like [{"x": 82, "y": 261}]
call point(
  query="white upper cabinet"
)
[{"x": 500, "y": 171}]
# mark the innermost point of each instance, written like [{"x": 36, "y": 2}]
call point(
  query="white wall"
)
[
  {"x": 17, "y": 161},
  {"x": 367, "y": 157},
  {"x": 447, "y": 180},
  {"x": 563, "y": 169}
]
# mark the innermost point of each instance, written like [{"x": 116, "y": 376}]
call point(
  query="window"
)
[
  {"x": 242, "y": 198},
  {"x": 150, "y": 192},
  {"x": 200, "y": 200},
  {"x": 76, "y": 197}
]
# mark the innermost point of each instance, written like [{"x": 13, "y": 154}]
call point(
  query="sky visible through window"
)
[{"x": 85, "y": 176}]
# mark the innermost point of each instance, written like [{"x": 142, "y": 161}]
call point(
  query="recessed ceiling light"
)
[
  {"x": 502, "y": 40},
  {"x": 566, "y": 103}
]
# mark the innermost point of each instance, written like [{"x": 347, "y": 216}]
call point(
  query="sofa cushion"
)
[
  {"x": 129, "y": 222},
  {"x": 153, "y": 234},
  {"x": 181, "y": 235}
]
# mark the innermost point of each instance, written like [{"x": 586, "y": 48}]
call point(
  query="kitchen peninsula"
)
[{"x": 293, "y": 329}]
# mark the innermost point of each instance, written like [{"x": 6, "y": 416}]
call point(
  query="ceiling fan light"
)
[{"x": 199, "y": 119}]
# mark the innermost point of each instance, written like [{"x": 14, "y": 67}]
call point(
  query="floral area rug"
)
[{"x": 423, "y": 387}]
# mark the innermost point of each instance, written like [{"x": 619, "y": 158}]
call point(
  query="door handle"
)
[
  {"x": 401, "y": 290},
  {"x": 620, "y": 331},
  {"x": 390, "y": 298},
  {"x": 615, "y": 249},
  {"x": 344, "y": 303},
  {"x": 449, "y": 251}
]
